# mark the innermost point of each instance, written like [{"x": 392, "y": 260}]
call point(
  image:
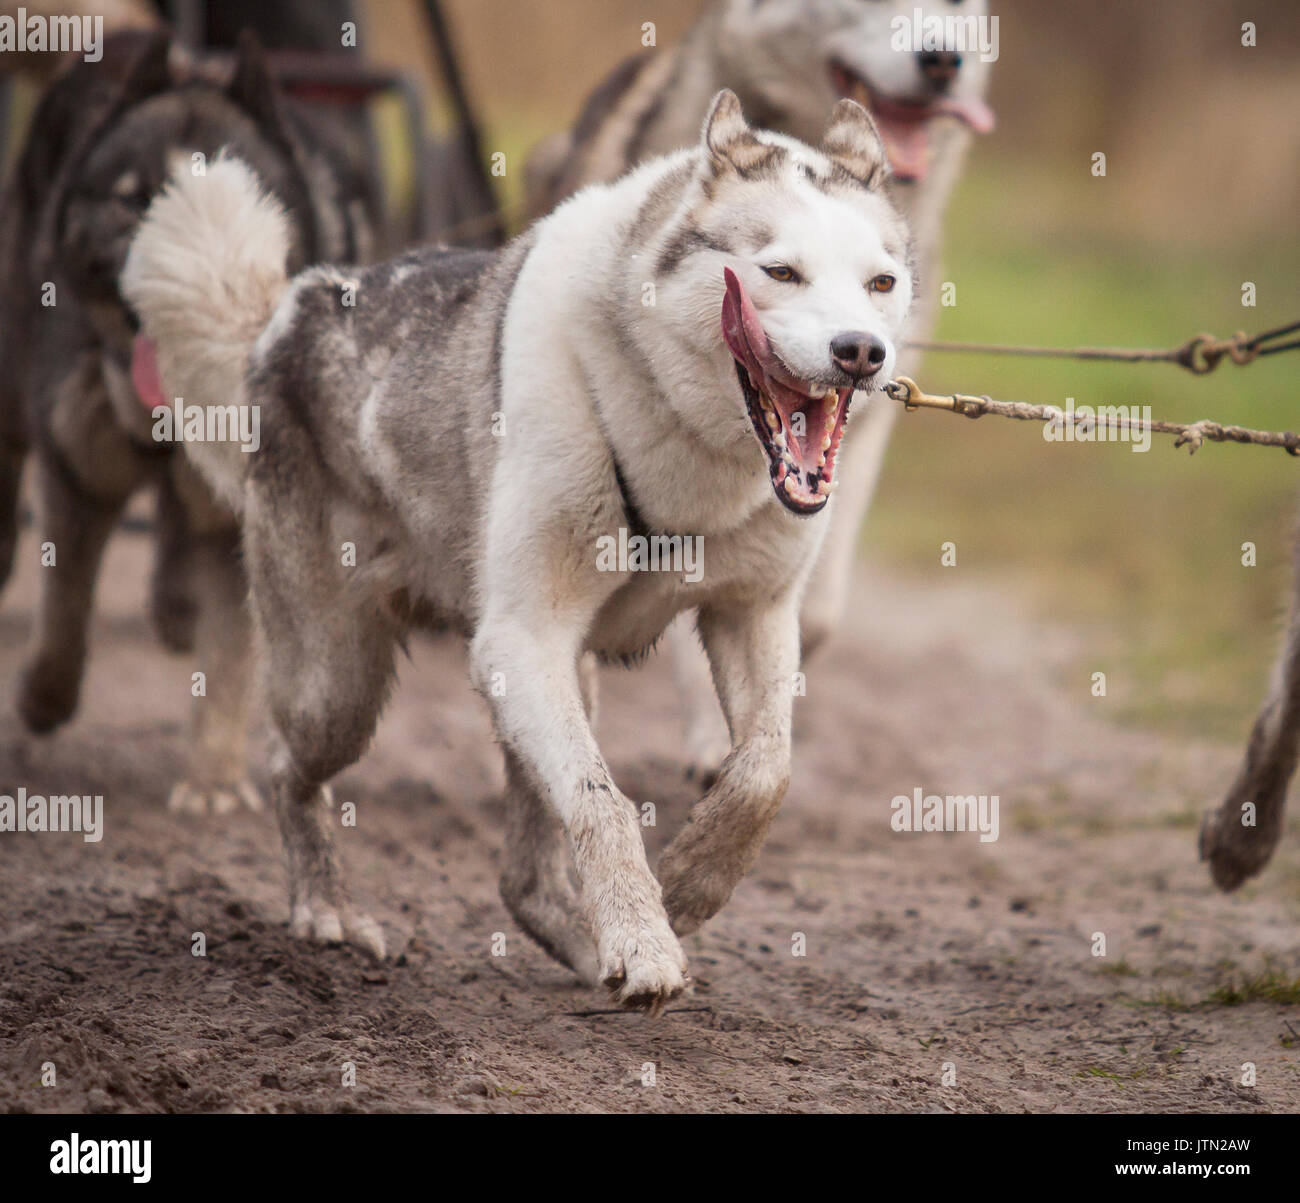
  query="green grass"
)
[{"x": 1140, "y": 553}]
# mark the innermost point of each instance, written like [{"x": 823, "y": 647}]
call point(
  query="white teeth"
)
[
  {"x": 779, "y": 441},
  {"x": 824, "y": 488},
  {"x": 790, "y": 485},
  {"x": 826, "y": 444},
  {"x": 831, "y": 402}
]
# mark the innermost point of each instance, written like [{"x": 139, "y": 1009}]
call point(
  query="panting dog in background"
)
[
  {"x": 105, "y": 137},
  {"x": 788, "y": 61},
  {"x": 477, "y": 424}
]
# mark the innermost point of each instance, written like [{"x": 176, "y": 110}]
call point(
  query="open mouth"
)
[
  {"x": 904, "y": 123},
  {"x": 799, "y": 425}
]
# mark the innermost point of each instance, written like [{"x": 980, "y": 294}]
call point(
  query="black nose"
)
[
  {"x": 940, "y": 67},
  {"x": 857, "y": 354}
]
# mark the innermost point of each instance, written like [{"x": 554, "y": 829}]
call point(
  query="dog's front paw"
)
[
  {"x": 693, "y": 890},
  {"x": 1235, "y": 851},
  {"x": 644, "y": 968},
  {"x": 193, "y": 798},
  {"x": 318, "y": 919},
  {"x": 47, "y": 695}
]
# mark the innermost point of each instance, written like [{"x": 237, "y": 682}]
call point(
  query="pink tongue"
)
[
  {"x": 907, "y": 139},
  {"x": 144, "y": 373},
  {"x": 741, "y": 328},
  {"x": 908, "y": 145},
  {"x": 972, "y": 110}
]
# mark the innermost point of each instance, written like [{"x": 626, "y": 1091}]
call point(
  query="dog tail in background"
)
[{"x": 206, "y": 269}]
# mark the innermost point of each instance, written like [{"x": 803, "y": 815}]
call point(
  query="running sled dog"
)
[
  {"x": 103, "y": 140},
  {"x": 675, "y": 353},
  {"x": 788, "y": 61}
]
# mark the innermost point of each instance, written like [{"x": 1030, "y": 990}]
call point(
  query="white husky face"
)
[
  {"x": 796, "y": 263},
  {"x": 796, "y": 57}
]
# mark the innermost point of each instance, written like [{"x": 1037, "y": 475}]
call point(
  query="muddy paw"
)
[
  {"x": 1235, "y": 853},
  {"x": 645, "y": 971},
  {"x": 319, "y": 920},
  {"x": 552, "y": 918},
  {"x": 190, "y": 798},
  {"x": 693, "y": 893},
  {"x": 47, "y": 697}
]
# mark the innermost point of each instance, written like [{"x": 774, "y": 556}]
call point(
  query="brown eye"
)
[
  {"x": 782, "y": 274},
  {"x": 882, "y": 284}
]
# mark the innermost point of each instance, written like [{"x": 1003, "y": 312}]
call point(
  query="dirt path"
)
[{"x": 921, "y": 949}]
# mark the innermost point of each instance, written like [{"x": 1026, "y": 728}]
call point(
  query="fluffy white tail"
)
[{"x": 204, "y": 274}]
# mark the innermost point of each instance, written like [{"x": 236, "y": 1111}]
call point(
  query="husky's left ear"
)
[
  {"x": 853, "y": 141},
  {"x": 731, "y": 143}
]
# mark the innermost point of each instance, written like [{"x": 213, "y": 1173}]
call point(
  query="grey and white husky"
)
[
  {"x": 788, "y": 61},
  {"x": 453, "y": 436}
]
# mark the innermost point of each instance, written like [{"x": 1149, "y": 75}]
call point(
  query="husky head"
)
[
  {"x": 790, "y": 269},
  {"x": 791, "y": 59},
  {"x": 158, "y": 115}
]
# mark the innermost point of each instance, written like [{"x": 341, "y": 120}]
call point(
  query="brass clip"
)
[{"x": 906, "y": 390}]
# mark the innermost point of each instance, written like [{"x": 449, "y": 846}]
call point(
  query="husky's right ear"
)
[
  {"x": 149, "y": 71},
  {"x": 853, "y": 141},
  {"x": 253, "y": 89},
  {"x": 731, "y": 143}
]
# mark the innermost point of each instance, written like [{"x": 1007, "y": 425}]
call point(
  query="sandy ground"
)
[{"x": 940, "y": 973}]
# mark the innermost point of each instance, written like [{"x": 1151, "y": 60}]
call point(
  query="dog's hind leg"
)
[
  {"x": 329, "y": 665},
  {"x": 216, "y": 779},
  {"x": 206, "y": 536},
  {"x": 173, "y": 606},
  {"x": 755, "y": 655},
  {"x": 11, "y": 479},
  {"x": 1238, "y": 839},
  {"x": 75, "y": 525},
  {"x": 535, "y": 882},
  {"x": 707, "y": 739}
]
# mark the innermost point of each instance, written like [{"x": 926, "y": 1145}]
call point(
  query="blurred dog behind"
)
[
  {"x": 103, "y": 139},
  {"x": 789, "y": 61}
]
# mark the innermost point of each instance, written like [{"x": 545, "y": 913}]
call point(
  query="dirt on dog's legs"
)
[
  {"x": 755, "y": 656},
  {"x": 329, "y": 666},
  {"x": 1238, "y": 839},
  {"x": 535, "y": 884},
  {"x": 77, "y": 526},
  {"x": 530, "y": 680}
]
